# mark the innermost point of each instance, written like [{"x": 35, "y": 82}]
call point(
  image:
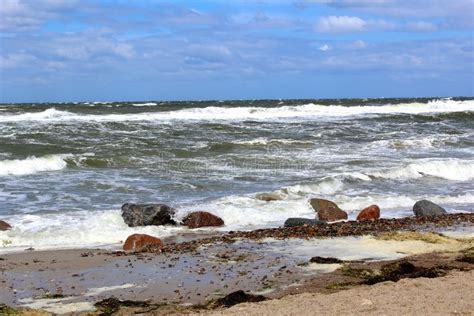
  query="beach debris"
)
[
  {"x": 202, "y": 219},
  {"x": 237, "y": 297},
  {"x": 299, "y": 221},
  {"x": 148, "y": 214},
  {"x": 325, "y": 260},
  {"x": 4, "y": 226},
  {"x": 404, "y": 269},
  {"x": 338, "y": 229},
  {"x": 142, "y": 242},
  {"x": 111, "y": 305},
  {"x": 268, "y": 197},
  {"x": 327, "y": 210},
  {"x": 467, "y": 256},
  {"x": 428, "y": 208},
  {"x": 369, "y": 213}
]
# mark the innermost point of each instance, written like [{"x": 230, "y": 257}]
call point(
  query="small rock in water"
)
[
  {"x": 147, "y": 214},
  {"x": 327, "y": 211},
  {"x": 268, "y": 197},
  {"x": 428, "y": 208},
  {"x": 297, "y": 221},
  {"x": 369, "y": 213},
  {"x": 4, "y": 226},
  {"x": 141, "y": 242},
  {"x": 202, "y": 219}
]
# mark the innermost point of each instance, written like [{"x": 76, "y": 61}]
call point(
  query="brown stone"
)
[
  {"x": 202, "y": 219},
  {"x": 369, "y": 213},
  {"x": 4, "y": 226},
  {"x": 327, "y": 211},
  {"x": 142, "y": 242}
]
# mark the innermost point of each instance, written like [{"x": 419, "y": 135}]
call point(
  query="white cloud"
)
[
  {"x": 349, "y": 24},
  {"x": 16, "y": 60},
  {"x": 358, "y": 44},
  {"x": 324, "y": 48},
  {"x": 340, "y": 24},
  {"x": 421, "y": 26}
]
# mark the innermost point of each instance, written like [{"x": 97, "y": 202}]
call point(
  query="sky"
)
[{"x": 112, "y": 50}]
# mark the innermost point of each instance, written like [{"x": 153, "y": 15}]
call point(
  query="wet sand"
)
[{"x": 196, "y": 273}]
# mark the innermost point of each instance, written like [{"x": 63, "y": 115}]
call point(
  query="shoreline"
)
[{"x": 273, "y": 263}]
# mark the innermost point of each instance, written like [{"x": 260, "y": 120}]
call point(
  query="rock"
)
[
  {"x": 325, "y": 260},
  {"x": 147, "y": 214},
  {"x": 297, "y": 221},
  {"x": 238, "y": 297},
  {"x": 4, "y": 226},
  {"x": 202, "y": 219},
  {"x": 428, "y": 208},
  {"x": 268, "y": 197},
  {"x": 327, "y": 211},
  {"x": 369, "y": 213},
  {"x": 141, "y": 242}
]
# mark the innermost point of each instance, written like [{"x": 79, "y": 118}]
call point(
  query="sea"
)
[{"x": 67, "y": 168}]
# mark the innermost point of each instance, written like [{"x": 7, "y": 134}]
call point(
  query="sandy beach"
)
[
  {"x": 293, "y": 268},
  {"x": 449, "y": 295}
]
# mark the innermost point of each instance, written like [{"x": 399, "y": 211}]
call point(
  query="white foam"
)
[
  {"x": 213, "y": 113},
  {"x": 266, "y": 141},
  {"x": 106, "y": 229},
  {"x": 47, "y": 116},
  {"x": 58, "y": 306},
  {"x": 32, "y": 165},
  {"x": 450, "y": 169},
  {"x": 72, "y": 230},
  {"x": 99, "y": 290},
  {"x": 353, "y": 248},
  {"x": 145, "y": 104}
]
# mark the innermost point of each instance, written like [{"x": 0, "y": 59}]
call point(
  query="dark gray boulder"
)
[
  {"x": 298, "y": 221},
  {"x": 147, "y": 214},
  {"x": 428, "y": 208}
]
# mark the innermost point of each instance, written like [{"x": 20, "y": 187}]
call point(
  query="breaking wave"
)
[
  {"x": 449, "y": 169},
  {"x": 212, "y": 113},
  {"x": 32, "y": 165}
]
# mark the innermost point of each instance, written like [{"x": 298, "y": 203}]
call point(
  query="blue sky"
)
[{"x": 52, "y": 50}]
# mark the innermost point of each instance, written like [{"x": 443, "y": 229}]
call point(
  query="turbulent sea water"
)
[{"x": 66, "y": 169}]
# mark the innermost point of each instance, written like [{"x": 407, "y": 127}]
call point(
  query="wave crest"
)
[
  {"x": 213, "y": 113},
  {"x": 32, "y": 165}
]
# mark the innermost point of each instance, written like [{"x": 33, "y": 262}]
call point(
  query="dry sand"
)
[{"x": 449, "y": 295}]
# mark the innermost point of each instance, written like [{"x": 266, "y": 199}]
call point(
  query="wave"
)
[
  {"x": 449, "y": 169},
  {"x": 145, "y": 104},
  {"x": 266, "y": 141},
  {"x": 212, "y": 113},
  {"x": 73, "y": 230},
  {"x": 32, "y": 165}
]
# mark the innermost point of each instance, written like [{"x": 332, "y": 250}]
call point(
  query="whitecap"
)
[{"x": 32, "y": 165}]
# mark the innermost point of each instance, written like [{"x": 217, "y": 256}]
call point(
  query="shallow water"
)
[{"x": 65, "y": 169}]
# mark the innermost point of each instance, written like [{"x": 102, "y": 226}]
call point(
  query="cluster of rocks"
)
[
  {"x": 336, "y": 229},
  {"x": 136, "y": 215},
  {"x": 328, "y": 211}
]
